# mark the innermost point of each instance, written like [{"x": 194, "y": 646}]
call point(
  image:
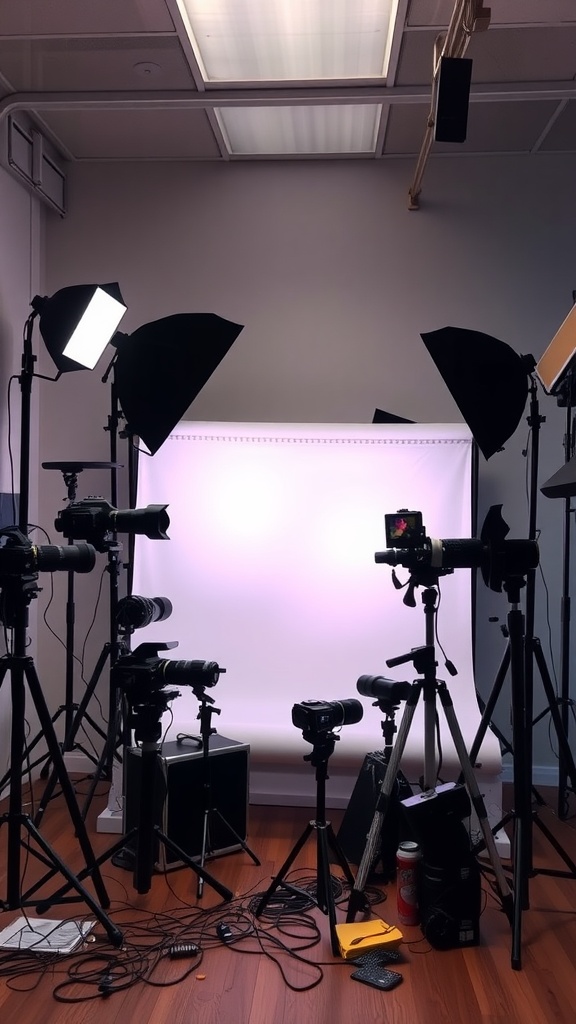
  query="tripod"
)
[
  {"x": 18, "y": 588},
  {"x": 210, "y": 812},
  {"x": 523, "y": 692},
  {"x": 356, "y": 821},
  {"x": 323, "y": 747},
  {"x": 145, "y": 718},
  {"x": 16, "y": 592},
  {"x": 72, "y": 721},
  {"x": 429, "y": 686}
]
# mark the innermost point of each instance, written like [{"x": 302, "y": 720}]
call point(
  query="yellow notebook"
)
[{"x": 357, "y": 938}]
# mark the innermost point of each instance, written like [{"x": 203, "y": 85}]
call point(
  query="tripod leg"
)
[
  {"x": 114, "y": 934},
  {"x": 555, "y": 713},
  {"x": 489, "y": 707},
  {"x": 206, "y": 843},
  {"x": 339, "y": 854},
  {"x": 241, "y": 842},
  {"x": 476, "y": 798},
  {"x": 324, "y": 891},
  {"x": 357, "y": 901},
  {"x": 278, "y": 879},
  {"x": 60, "y": 768}
]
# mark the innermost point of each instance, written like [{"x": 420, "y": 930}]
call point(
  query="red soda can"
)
[{"x": 408, "y": 857}]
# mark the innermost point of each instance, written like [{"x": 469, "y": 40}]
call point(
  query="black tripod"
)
[
  {"x": 145, "y": 718},
  {"x": 210, "y": 811},
  {"x": 325, "y": 839},
  {"x": 22, "y": 671},
  {"x": 523, "y": 692},
  {"x": 72, "y": 720},
  {"x": 18, "y": 586},
  {"x": 429, "y": 686}
]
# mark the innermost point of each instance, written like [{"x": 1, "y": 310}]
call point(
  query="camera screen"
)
[{"x": 403, "y": 529}]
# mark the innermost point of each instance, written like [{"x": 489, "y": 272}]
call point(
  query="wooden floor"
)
[{"x": 257, "y": 980}]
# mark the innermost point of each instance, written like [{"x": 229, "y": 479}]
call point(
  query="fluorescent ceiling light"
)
[
  {"x": 93, "y": 332},
  {"x": 342, "y": 129},
  {"x": 290, "y": 40}
]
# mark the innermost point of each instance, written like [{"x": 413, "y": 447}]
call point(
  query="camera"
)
[
  {"x": 497, "y": 558},
  {"x": 319, "y": 716},
  {"x": 143, "y": 672},
  {"x": 96, "y": 520},
  {"x": 19, "y": 557}
]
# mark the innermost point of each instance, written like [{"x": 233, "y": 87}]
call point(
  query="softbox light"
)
[
  {"x": 163, "y": 365},
  {"x": 487, "y": 379},
  {"x": 77, "y": 323}
]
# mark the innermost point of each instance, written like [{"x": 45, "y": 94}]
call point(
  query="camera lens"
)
[
  {"x": 191, "y": 673},
  {"x": 70, "y": 557},
  {"x": 134, "y": 612}
]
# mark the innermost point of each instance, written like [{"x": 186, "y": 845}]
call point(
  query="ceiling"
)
[{"x": 120, "y": 80}]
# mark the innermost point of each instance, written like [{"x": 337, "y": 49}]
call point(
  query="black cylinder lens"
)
[
  {"x": 152, "y": 521},
  {"x": 67, "y": 557},
  {"x": 380, "y": 688},
  {"x": 190, "y": 673},
  {"x": 134, "y": 612}
]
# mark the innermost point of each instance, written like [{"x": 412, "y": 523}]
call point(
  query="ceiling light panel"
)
[
  {"x": 290, "y": 40},
  {"x": 342, "y": 129}
]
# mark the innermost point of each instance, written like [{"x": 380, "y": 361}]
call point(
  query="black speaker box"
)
[
  {"x": 358, "y": 817},
  {"x": 452, "y": 99},
  {"x": 179, "y": 796}
]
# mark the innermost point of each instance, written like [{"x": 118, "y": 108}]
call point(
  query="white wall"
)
[{"x": 334, "y": 280}]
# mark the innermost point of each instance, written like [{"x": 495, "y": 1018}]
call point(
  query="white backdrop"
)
[{"x": 270, "y": 568}]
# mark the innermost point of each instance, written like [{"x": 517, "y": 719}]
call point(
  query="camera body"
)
[
  {"x": 96, "y": 520},
  {"x": 321, "y": 716},
  {"x": 143, "y": 672}
]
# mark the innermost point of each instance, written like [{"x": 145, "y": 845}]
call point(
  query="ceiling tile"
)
[
  {"x": 71, "y": 17},
  {"x": 499, "y": 55},
  {"x": 503, "y": 12},
  {"x": 75, "y": 65},
  {"x": 492, "y": 128},
  {"x": 134, "y": 134},
  {"x": 562, "y": 135}
]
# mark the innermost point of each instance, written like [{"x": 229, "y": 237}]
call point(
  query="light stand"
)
[
  {"x": 70, "y": 471},
  {"x": 523, "y": 702},
  {"x": 17, "y": 591},
  {"x": 210, "y": 811},
  {"x": 323, "y": 747}
]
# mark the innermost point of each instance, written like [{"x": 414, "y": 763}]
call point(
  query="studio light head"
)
[
  {"x": 316, "y": 717},
  {"x": 487, "y": 379},
  {"x": 77, "y": 323},
  {"x": 96, "y": 520},
  {"x": 163, "y": 366}
]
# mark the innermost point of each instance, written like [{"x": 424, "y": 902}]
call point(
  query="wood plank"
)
[{"x": 474, "y": 986}]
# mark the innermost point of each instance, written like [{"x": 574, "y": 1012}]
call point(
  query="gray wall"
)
[
  {"x": 334, "y": 280},
  {"x": 19, "y": 263}
]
